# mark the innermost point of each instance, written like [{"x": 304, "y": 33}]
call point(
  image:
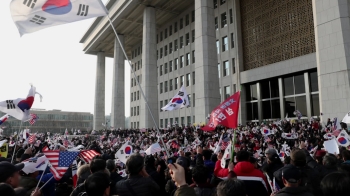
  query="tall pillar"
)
[
  {"x": 260, "y": 108},
  {"x": 332, "y": 30},
  {"x": 118, "y": 93},
  {"x": 280, "y": 91},
  {"x": 99, "y": 106},
  {"x": 308, "y": 95},
  {"x": 149, "y": 69},
  {"x": 207, "y": 87}
]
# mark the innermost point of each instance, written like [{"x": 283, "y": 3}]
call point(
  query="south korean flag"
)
[{"x": 180, "y": 100}]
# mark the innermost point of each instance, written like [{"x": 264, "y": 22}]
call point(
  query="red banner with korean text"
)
[{"x": 226, "y": 114}]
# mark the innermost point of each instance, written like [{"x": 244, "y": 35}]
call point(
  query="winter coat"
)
[
  {"x": 294, "y": 191},
  {"x": 142, "y": 186},
  {"x": 28, "y": 183},
  {"x": 185, "y": 191}
]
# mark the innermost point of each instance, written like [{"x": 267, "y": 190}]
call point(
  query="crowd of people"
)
[{"x": 273, "y": 158}]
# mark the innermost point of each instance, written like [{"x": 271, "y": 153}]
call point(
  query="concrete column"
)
[
  {"x": 280, "y": 91},
  {"x": 332, "y": 30},
  {"x": 207, "y": 87},
  {"x": 308, "y": 96},
  {"x": 149, "y": 69},
  {"x": 260, "y": 108},
  {"x": 118, "y": 93},
  {"x": 99, "y": 106}
]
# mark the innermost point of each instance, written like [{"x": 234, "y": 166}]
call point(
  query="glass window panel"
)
[
  {"x": 254, "y": 92},
  {"x": 249, "y": 111},
  {"x": 274, "y": 88},
  {"x": 315, "y": 104},
  {"x": 301, "y": 105},
  {"x": 289, "y": 106},
  {"x": 313, "y": 82},
  {"x": 248, "y": 93},
  {"x": 266, "y": 107},
  {"x": 288, "y": 86},
  {"x": 255, "y": 111},
  {"x": 275, "y": 108},
  {"x": 265, "y": 90},
  {"x": 299, "y": 83}
]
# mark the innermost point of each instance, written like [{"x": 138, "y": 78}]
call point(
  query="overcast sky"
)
[{"x": 52, "y": 59}]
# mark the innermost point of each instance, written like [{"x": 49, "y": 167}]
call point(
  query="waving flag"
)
[
  {"x": 266, "y": 131},
  {"x": 35, "y": 164},
  {"x": 26, "y": 133},
  {"x": 32, "y": 138},
  {"x": 225, "y": 114},
  {"x": 153, "y": 149},
  {"x": 298, "y": 114},
  {"x": 3, "y": 148},
  {"x": 19, "y": 108},
  {"x": 180, "y": 100},
  {"x": 87, "y": 155},
  {"x": 74, "y": 173},
  {"x": 343, "y": 139},
  {"x": 33, "y": 118},
  {"x": 124, "y": 152},
  {"x": 60, "y": 161},
  {"x": 4, "y": 118},
  {"x": 30, "y": 16},
  {"x": 290, "y": 136}
]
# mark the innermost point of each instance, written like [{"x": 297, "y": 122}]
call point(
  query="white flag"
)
[
  {"x": 19, "y": 108},
  {"x": 30, "y": 16},
  {"x": 35, "y": 164},
  {"x": 227, "y": 155},
  {"x": 180, "y": 100},
  {"x": 124, "y": 152},
  {"x": 153, "y": 149},
  {"x": 343, "y": 139}
]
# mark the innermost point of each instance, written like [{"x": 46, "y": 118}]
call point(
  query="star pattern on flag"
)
[{"x": 65, "y": 158}]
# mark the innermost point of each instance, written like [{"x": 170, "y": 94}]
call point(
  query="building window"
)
[
  {"x": 175, "y": 45},
  {"x": 171, "y": 121},
  {"x": 189, "y": 99},
  {"x": 131, "y": 112},
  {"x": 160, "y": 70},
  {"x": 165, "y": 50},
  {"x": 234, "y": 88},
  {"x": 181, "y": 61},
  {"x": 166, "y": 102},
  {"x": 166, "y": 86},
  {"x": 219, "y": 70},
  {"x": 170, "y": 30},
  {"x": 216, "y": 23},
  {"x": 187, "y": 39},
  {"x": 181, "y": 41},
  {"x": 170, "y": 66},
  {"x": 226, "y": 68},
  {"x": 193, "y": 35},
  {"x": 161, "y": 36},
  {"x": 181, "y": 23},
  {"x": 161, "y": 52},
  {"x": 222, "y": 2},
  {"x": 161, "y": 88},
  {"x": 187, "y": 19},
  {"x": 175, "y": 27},
  {"x": 182, "y": 120},
  {"x": 134, "y": 95},
  {"x": 233, "y": 65},
  {"x": 188, "y": 59},
  {"x": 193, "y": 78},
  {"x": 170, "y": 47},
  {"x": 176, "y": 82},
  {"x": 227, "y": 91},
  {"x": 193, "y": 59},
  {"x": 193, "y": 100},
  {"x": 224, "y": 44},
  {"x": 157, "y": 58},
  {"x": 131, "y": 97},
  {"x": 165, "y": 33},
  {"x": 182, "y": 80},
  {"x": 176, "y": 63},
  {"x": 188, "y": 120},
  {"x": 138, "y": 112},
  {"x": 218, "y": 46},
  {"x": 223, "y": 20},
  {"x": 232, "y": 41},
  {"x": 132, "y": 52},
  {"x": 215, "y": 3},
  {"x": 161, "y": 105},
  {"x": 138, "y": 95},
  {"x": 193, "y": 16},
  {"x": 132, "y": 83},
  {"x": 170, "y": 85},
  {"x": 165, "y": 68},
  {"x": 138, "y": 65},
  {"x": 231, "y": 16},
  {"x": 188, "y": 79},
  {"x": 166, "y": 122},
  {"x": 161, "y": 123}
]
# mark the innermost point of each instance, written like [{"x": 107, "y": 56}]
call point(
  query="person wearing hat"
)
[
  {"x": 291, "y": 177},
  {"x": 9, "y": 173}
]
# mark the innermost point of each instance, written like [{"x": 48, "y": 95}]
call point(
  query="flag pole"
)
[
  {"x": 14, "y": 148},
  {"x": 138, "y": 83},
  {"x": 46, "y": 183},
  {"x": 41, "y": 177}
]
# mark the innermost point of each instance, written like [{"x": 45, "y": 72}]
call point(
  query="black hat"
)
[
  {"x": 7, "y": 169},
  {"x": 5, "y": 159},
  {"x": 291, "y": 173}
]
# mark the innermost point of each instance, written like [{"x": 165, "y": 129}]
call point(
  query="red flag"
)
[
  {"x": 226, "y": 114},
  {"x": 87, "y": 155}
]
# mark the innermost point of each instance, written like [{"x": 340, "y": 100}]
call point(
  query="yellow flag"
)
[{"x": 4, "y": 150}]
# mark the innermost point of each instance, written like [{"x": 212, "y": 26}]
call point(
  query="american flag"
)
[
  {"x": 87, "y": 155},
  {"x": 33, "y": 118},
  {"x": 224, "y": 145},
  {"x": 32, "y": 138},
  {"x": 60, "y": 161}
]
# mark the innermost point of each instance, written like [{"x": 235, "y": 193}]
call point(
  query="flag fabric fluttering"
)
[
  {"x": 266, "y": 131},
  {"x": 35, "y": 164},
  {"x": 87, "y": 155},
  {"x": 74, "y": 173},
  {"x": 33, "y": 119},
  {"x": 19, "y": 108},
  {"x": 4, "y": 148},
  {"x": 4, "y": 118},
  {"x": 180, "y": 100},
  {"x": 227, "y": 155},
  {"x": 298, "y": 114},
  {"x": 124, "y": 152},
  {"x": 32, "y": 138},
  {"x": 31, "y": 16},
  {"x": 225, "y": 114},
  {"x": 60, "y": 161},
  {"x": 290, "y": 136},
  {"x": 26, "y": 133},
  {"x": 343, "y": 139},
  {"x": 153, "y": 149}
]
